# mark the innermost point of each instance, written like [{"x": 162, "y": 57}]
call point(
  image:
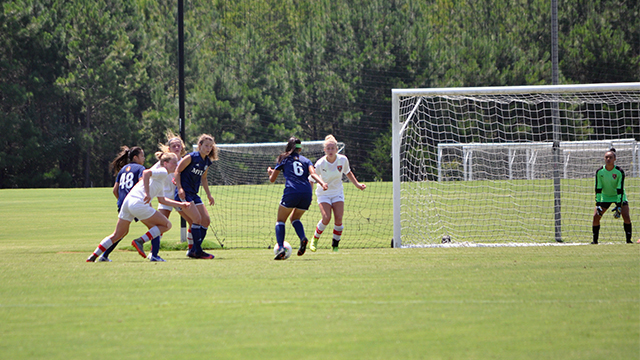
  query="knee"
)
[{"x": 168, "y": 225}]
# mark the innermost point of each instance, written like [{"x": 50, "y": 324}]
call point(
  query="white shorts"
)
[
  {"x": 138, "y": 210},
  {"x": 164, "y": 207},
  {"x": 330, "y": 199}
]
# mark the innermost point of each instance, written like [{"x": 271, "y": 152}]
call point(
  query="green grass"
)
[{"x": 573, "y": 302}]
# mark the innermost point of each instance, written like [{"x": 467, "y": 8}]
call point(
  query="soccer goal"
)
[
  {"x": 244, "y": 214},
  {"x": 510, "y": 165}
]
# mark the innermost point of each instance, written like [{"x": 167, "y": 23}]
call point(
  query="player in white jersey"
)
[
  {"x": 137, "y": 204},
  {"x": 176, "y": 146},
  {"x": 330, "y": 168}
]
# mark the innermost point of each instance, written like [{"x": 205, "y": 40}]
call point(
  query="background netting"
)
[{"x": 244, "y": 215}]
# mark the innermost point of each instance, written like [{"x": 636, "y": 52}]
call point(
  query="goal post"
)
[{"x": 508, "y": 164}]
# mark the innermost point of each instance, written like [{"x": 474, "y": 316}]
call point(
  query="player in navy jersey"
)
[
  {"x": 128, "y": 167},
  {"x": 137, "y": 204},
  {"x": 297, "y": 194},
  {"x": 190, "y": 173}
]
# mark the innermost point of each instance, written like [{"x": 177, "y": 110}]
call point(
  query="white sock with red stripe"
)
[
  {"x": 189, "y": 238},
  {"x": 319, "y": 229},
  {"x": 337, "y": 232},
  {"x": 152, "y": 233},
  {"x": 103, "y": 246}
]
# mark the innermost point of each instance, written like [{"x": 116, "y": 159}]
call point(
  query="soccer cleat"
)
[
  {"x": 204, "y": 255},
  {"x": 334, "y": 245},
  {"x": 191, "y": 254},
  {"x": 629, "y": 242},
  {"x": 281, "y": 254},
  {"x": 156, "y": 258},
  {"x": 303, "y": 246},
  {"x": 594, "y": 243},
  {"x": 91, "y": 258},
  {"x": 138, "y": 244},
  {"x": 104, "y": 259},
  {"x": 312, "y": 246}
]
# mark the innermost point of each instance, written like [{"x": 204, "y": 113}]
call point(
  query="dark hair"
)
[
  {"x": 613, "y": 150},
  {"x": 125, "y": 156},
  {"x": 291, "y": 147}
]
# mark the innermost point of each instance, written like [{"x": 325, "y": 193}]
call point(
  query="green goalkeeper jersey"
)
[{"x": 610, "y": 185}]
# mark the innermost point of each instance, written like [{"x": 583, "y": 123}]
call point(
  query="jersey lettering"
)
[{"x": 298, "y": 169}]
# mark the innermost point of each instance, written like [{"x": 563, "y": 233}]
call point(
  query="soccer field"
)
[{"x": 568, "y": 302}]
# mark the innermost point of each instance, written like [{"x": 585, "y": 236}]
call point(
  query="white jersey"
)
[
  {"x": 170, "y": 185},
  {"x": 331, "y": 173},
  {"x": 157, "y": 182}
]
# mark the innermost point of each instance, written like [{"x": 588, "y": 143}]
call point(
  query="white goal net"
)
[
  {"x": 246, "y": 203},
  {"x": 510, "y": 164}
]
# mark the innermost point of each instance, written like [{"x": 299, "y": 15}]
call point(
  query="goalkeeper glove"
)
[
  {"x": 599, "y": 209},
  {"x": 616, "y": 211}
]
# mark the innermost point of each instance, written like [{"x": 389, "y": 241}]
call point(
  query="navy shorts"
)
[
  {"x": 189, "y": 198},
  {"x": 300, "y": 201}
]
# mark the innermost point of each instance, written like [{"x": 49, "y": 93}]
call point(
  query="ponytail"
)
[{"x": 292, "y": 145}]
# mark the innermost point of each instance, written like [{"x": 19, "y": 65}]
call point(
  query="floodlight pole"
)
[{"x": 181, "y": 94}]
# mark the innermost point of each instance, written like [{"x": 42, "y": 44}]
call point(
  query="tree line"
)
[{"x": 79, "y": 79}]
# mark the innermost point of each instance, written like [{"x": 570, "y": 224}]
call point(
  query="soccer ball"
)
[
  {"x": 446, "y": 239},
  {"x": 287, "y": 252}
]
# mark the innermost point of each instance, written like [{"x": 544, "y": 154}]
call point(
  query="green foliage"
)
[{"x": 79, "y": 79}]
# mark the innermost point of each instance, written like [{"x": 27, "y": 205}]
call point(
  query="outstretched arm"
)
[
  {"x": 317, "y": 178},
  {"x": 354, "y": 181}
]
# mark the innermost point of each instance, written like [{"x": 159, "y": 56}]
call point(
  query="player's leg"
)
[
  {"x": 283, "y": 214},
  {"x": 325, "y": 211},
  {"x": 105, "y": 255},
  {"x": 626, "y": 218},
  {"x": 598, "y": 211},
  {"x": 297, "y": 225},
  {"x": 155, "y": 242},
  {"x": 193, "y": 212},
  {"x": 205, "y": 221},
  {"x": 122, "y": 228},
  {"x": 338, "y": 212},
  {"x": 189, "y": 221},
  {"x": 157, "y": 224}
]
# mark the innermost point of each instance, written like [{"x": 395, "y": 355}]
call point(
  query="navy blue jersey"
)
[
  {"x": 127, "y": 177},
  {"x": 191, "y": 176},
  {"x": 295, "y": 169}
]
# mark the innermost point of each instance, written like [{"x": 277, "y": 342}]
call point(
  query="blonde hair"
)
[
  {"x": 213, "y": 154},
  {"x": 329, "y": 139},
  {"x": 171, "y": 137},
  {"x": 165, "y": 156}
]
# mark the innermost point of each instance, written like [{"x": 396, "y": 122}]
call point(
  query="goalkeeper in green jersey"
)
[{"x": 610, "y": 190}]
